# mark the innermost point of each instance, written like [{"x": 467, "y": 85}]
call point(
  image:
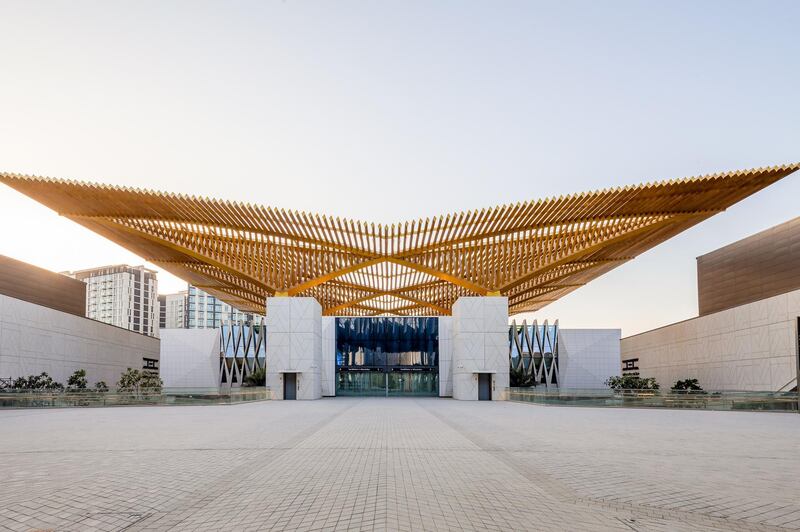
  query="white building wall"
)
[
  {"x": 190, "y": 358},
  {"x": 752, "y": 347},
  {"x": 480, "y": 344},
  {"x": 34, "y": 339},
  {"x": 294, "y": 344},
  {"x": 328, "y": 356},
  {"x": 445, "y": 356},
  {"x": 588, "y": 357}
]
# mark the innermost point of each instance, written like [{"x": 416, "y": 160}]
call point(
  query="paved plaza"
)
[{"x": 398, "y": 464}]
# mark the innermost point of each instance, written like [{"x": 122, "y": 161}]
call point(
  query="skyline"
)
[{"x": 387, "y": 113}]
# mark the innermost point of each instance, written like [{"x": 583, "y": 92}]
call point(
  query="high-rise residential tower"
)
[
  {"x": 122, "y": 295},
  {"x": 205, "y": 311},
  {"x": 173, "y": 310}
]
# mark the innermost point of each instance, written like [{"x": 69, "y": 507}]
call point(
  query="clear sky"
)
[{"x": 386, "y": 111}]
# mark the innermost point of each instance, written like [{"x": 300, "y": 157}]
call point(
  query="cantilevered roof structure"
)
[{"x": 533, "y": 252}]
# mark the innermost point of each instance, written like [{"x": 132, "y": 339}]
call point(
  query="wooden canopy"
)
[{"x": 533, "y": 252}]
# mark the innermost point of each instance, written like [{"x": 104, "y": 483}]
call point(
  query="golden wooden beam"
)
[
  {"x": 302, "y": 287},
  {"x": 469, "y": 285},
  {"x": 525, "y": 250}
]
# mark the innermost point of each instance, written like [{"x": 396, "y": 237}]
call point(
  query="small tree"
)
[
  {"x": 519, "y": 379},
  {"x": 632, "y": 382},
  {"x": 690, "y": 385},
  {"x": 129, "y": 381},
  {"x": 101, "y": 386},
  {"x": 77, "y": 381},
  {"x": 139, "y": 383}
]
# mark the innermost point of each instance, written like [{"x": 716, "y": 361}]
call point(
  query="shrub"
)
[
  {"x": 687, "y": 385},
  {"x": 139, "y": 382},
  {"x": 257, "y": 378},
  {"x": 129, "y": 381},
  {"x": 40, "y": 382},
  {"x": 150, "y": 383},
  {"x": 77, "y": 381},
  {"x": 101, "y": 386},
  {"x": 519, "y": 379},
  {"x": 632, "y": 382}
]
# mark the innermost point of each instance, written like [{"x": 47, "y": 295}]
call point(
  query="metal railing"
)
[
  {"x": 10, "y": 398},
  {"x": 703, "y": 400}
]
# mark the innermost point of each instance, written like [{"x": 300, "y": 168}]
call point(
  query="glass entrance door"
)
[
  {"x": 364, "y": 383},
  {"x": 391, "y": 383},
  {"x": 415, "y": 383}
]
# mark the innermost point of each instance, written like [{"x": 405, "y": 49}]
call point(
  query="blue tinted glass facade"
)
[{"x": 387, "y": 356}]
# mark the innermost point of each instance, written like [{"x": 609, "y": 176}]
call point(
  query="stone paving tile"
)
[{"x": 397, "y": 464}]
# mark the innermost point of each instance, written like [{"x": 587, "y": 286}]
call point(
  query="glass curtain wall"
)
[{"x": 387, "y": 356}]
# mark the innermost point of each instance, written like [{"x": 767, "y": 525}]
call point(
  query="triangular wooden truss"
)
[{"x": 533, "y": 252}]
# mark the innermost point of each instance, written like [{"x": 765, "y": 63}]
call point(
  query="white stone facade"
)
[
  {"x": 190, "y": 358},
  {"x": 34, "y": 339},
  {"x": 473, "y": 340},
  {"x": 587, "y": 357},
  {"x": 294, "y": 345},
  {"x": 328, "y": 356},
  {"x": 752, "y": 347},
  {"x": 480, "y": 345}
]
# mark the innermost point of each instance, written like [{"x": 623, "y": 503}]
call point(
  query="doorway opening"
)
[
  {"x": 290, "y": 386},
  {"x": 484, "y": 386}
]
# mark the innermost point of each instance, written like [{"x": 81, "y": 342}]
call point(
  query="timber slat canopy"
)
[{"x": 533, "y": 252}]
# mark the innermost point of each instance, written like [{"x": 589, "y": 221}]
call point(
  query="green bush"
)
[
  {"x": 519, "y": 379},
  {"x": 631, "y": 382},
  {"x": 150, "y": 383},
  {"x": 101, "y": 386},
  {"x": 40, "y": 382},
  {"x": 257, "y": 378},
  {"x": 77, "y": 381},
  {"x": 687, "y": 385}
]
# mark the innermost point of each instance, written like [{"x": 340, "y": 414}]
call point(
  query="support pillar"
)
[
  {"x": 294, "y": 345},
  {"x": 480, "y": 345}
]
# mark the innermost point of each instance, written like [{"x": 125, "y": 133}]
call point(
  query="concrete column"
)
[
  {"x": 480, "y": 345},
  {"x": 294, "y": 345}
]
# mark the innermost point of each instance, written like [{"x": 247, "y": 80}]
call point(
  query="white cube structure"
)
[
  {"x": 587, "y": 357},
  {"x": 190, "y": 358},
  {"x": 480, "y": 345},
  {"x": 294, "y": 345}
]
